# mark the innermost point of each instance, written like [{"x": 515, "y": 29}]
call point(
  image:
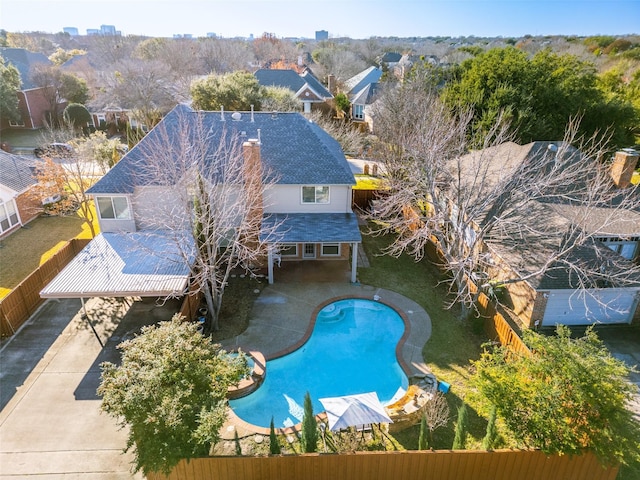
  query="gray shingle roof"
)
[
  {"x": 280, "y": 78},
  {"x": 24, "y": 61},
  {"x": 16, "y": 172},
  {"x": 366, "y": 96},
  {"x": 361, "y": 80},
  {"x": 315, "y": 85},
  {"x": 313, "y": 227},
  {"x": 296, "y": 150}
]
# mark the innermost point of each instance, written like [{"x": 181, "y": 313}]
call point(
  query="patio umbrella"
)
[{"x": 354, "y": 410}]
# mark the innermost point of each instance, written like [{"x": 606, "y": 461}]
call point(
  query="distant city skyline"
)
[{"x": 341, "y": 18}]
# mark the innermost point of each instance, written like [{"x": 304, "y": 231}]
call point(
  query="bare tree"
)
[
  {"x": 143, "y": 86},
  {"x": 212, "y": 199},
  {"x": 69, "y": 170},
  {"x": 540, "y": 212},
  {"x": 436, "y": 413}
]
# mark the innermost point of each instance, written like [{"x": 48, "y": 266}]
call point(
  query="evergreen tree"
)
[
  {"x": 309, "y": 427},
  {"x": 491, "y": 436},
  {"x": 274, "y": 446},
  {"x": 423, "y": 443},
  {"x": 461, "y": 428}
]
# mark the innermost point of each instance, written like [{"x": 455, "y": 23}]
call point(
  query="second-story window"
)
[
  {"x": 358, "y": 112},
  {"x": 315, "y": 194},
  {"x": 114, "y": 208}
]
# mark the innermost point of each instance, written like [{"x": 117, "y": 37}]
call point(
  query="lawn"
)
[
  {"x": 453, "y": 342},
  {"x": 27, "y": 248}
]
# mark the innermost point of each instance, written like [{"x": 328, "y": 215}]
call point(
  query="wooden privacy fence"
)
[
  {"x": 408, "y": 465},
  {"x": 23, "y": 300},
  {"x": 495, "y": 325}
]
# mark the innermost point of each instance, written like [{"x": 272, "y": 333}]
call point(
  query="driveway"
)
[
  {"x": 51, "y": 426},
  {"x": 624, "y": 343}
]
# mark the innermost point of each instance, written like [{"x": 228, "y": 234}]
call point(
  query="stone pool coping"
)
[{"x": 283, "y": 318}]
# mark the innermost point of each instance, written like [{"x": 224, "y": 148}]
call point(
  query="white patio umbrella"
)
[{"x": 354, "y": 410}]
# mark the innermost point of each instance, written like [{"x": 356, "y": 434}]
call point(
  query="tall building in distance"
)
[
  {"x": 73, "y": 31},
  {"x": 322, "y": 35},
  {"x": 108, "y": 30}
]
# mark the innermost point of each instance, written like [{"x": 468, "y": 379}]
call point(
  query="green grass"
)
[
  {"x": 453, "y": 343},
  {"x": 27, "y": 248}
]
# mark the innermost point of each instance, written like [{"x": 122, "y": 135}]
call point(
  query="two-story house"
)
[{"x": 309, "y": 207}]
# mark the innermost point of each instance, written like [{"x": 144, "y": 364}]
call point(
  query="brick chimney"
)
[
  {"x": 331, "y": 83},
  {"x": 253, "y": 183},
  {"x": 624, "y": 163}
]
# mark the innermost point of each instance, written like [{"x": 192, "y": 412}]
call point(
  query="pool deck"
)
[{"x": 284, "y": 314}]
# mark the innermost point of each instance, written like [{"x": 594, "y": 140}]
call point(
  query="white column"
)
[
  {"x": 354, "y": 261},
  {"x": 270, "y": 265}
]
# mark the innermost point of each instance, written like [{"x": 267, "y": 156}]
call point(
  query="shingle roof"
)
[
  {"x": 16, "y": 172},
  {"x": 295, "y": 149},
  {"x": 24, "y": 61},
  {"x": 312, "y": 227},
  {"x": 280, "y": 78},
  {"x": 361, "y": 80},
  {"x": 366, "y": 96},
  {"x": 315, "y": 85}
]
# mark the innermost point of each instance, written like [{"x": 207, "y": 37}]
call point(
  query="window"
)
[
  {"x": 358, "y": 112},
  {"x": 315, "y": 194},
  {"x": 8, "y": 215},
  {"x": 330, "y": 249},
  {"x": 626, "y": 248},
  {"x": 114, "y": 208},
  {"x": 19, "y": 123},
  {"x": 288, "y": 250}
]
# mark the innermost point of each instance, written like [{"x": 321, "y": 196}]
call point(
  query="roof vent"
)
[
  {"x": 222, "y": 113},
  {"x": 251, "y": 113},
  {"x": 236, "y": 116},
  {"x": 274, "y": 114}
]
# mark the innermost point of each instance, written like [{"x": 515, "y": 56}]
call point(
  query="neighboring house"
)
[
  {"x": 310, "y": 204},
  {"x": 17, "y": 207},
  {"x": 389, "y": 60},
  {"x": 305, "y": 86},
  {"x": 33, "y": 100},
  {"x": 361, "y": 91},
  {"x": 408, "y": 60},
  {"x": 556, "y": 294}
]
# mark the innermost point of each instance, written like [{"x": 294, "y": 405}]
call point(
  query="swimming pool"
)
[{"x": 351, "y": 350}]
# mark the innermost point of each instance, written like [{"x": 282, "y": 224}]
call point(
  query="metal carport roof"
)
[{"x": 121, "y": 265}]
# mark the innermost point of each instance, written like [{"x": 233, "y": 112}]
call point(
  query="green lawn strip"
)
[
  {"x": 453, "y": 342},
  {"x": 22, "y": 251}
]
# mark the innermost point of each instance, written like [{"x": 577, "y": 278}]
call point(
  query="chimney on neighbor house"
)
[
  {"x": 624, "y": 163},
  {"x": 331, "y": 83}
]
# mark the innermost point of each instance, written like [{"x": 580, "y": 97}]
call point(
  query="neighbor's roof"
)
[
  {"x": 315, "y": 85},
  {"x": 294, "y": 149},
  {"x": 366, "y": 96},
  {"x": 24, "y": 61},
  {"x": 123, "y": 264},
  {"x": 361, "y": 80},
  {"x": 311, "y": 227},
  {"x": 16, "y": 171},
  {"x": 286, "y": 78}
]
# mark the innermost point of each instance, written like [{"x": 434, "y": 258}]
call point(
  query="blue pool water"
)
[{"x": 351, "y": 350}]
